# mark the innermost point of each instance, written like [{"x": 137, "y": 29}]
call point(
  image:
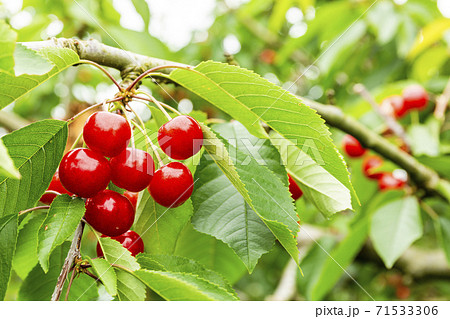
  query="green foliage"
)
[
  {"x": 62, "y": 219},
  {"x": 105, "y": 273},
  {"x": 129, "y": 288},
  {"x": 116, "y": 254},
  {"x": 8, "y": 238},
  {"x": 8, "y": 43},
  {"x": 36, "y": 151},
  {"x": 6, "y": 164}
]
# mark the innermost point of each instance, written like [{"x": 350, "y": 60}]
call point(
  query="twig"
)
[
  {"x": 74, "y": 252},
  {"x": 70, "y": 284},
  {"x": 442, "y": 102},
  {"x": 389, "y": 120},
  {"x": 33, "y": 209}
]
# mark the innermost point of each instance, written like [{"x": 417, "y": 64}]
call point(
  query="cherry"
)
[
  {"x": 369, "y": 164},
  {"x": 132, "y": 197},
  {"x": 107, "y": 133},
  {"x": 402, "y": 292},
  {"x": 55, "y": 185},
  {"x": 110, "y": 213},
  {"x": 388, "y": 181},
  {"x": 415, "y": 97},
  {"x": 129, "y": 240},
  {"x": 395, "y": 106},
  {"x": 84, "y": 172},
  {"x": 132, "y": 170},
  {"x": 296, "y": 192},
  {"x": 181, "y": 137},
  {"x": 268, "y": 56},
  {"x": 172, "y": 185},
  {"x": 352, "y": 146}
]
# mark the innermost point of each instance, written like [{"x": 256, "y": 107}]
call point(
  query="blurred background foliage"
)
[{"x": 314, "y": 48}]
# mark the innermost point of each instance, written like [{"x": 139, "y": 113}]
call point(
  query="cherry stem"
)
[
  {"x": 148, "y": 141},
  {"x": 156, "y": 102},
  {"x": 129, "y": 123},
  {"x": 149, "y": 71},
  {"x": 77, "y": 140},
  {"x": 104, "y": 71},
  {"x": 87, "y": 272},
  {"x": 33, "y": 209},
  {"x": 92, "y": 107},
  {"x": 52, "y": 192},
  {"x": 162, "y": 104}
]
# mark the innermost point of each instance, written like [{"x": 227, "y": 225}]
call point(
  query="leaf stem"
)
[
  {"x": 33, "y": 209},
  {"x": 104, "y": 71}
]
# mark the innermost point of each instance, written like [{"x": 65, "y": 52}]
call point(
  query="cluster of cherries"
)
[
  {"x": 386, "y": 180},
  {"x": 414, "y": 97},
  {"x": 87, "y": 172}
]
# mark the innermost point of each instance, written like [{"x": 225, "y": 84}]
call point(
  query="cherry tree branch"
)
[{"x": 74, "y": 252}]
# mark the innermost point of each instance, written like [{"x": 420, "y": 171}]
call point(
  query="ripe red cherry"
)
[
  {"x": 132, "y": 170},
  {"x": 268, "y": 56},
  {"x": 352, "y": 146},
  {"x": 415, "y": 97},
  {"x": 129, "y": 240},
  {"x": 369, "y": 164},
  {"x": 395, "y": 106},
  {"x": 181, "y": 137},
  {"x": 84, "y": 172},
  {"x": 55, "y": 185},
  {"x": 171, "y": 185},
  {"x": 110, "y": 213},
  {"x": 296, "y": 192},
  {"x": 107, "y": 133},
  {"x": 132, "y": 197},
  {"x": 388, "y": 181}
]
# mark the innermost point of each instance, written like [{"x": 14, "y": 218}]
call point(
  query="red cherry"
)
[
  {"x": 107, "y": 133},
  {"x": 181, "y": 137},
  {"x": 129, "y": 240},
  {"x": 172, "y": 185},
  {"x": 415, "y": 97},
  {"x": 352, "y": 146},
  {"x": 402, "y": 292},
  {"x": 268, "y": 56},
  {"x": 132, "y": 197},
  {"x": 369, "y": 164},
  {"x": 55, "y": 185},
  {"x": 110, "y": 213},
  {"x": 84, "y": 172},
  {"x": 296, "y": 192},
  {"x": 388, "y": 181},
  {"x": 395, "y": 104},
  {"x": 132, "y": 170}
]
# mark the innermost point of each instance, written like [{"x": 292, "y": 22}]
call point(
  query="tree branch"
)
[
  {"x": 74, "y": 252},
  {"x": 132, "y": 64}
]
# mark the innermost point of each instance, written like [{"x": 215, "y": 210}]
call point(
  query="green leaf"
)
[
  {"x": 129, "y": 288},
  {"x": 182, "y": 265},
  {"x": 8, "y": 238},
  {"x": 36, "y": 151},
  {"x": 327, "y": 193},
  {"x": 84, "y": 288},
  {"x": 7, "y": 43},
  {"x": 268, "y": 197},
  {"x": 142, "y": 8},
  {"x": 106, "y": 273},
  {"x": 7, "y": 167},
  {"x": 277, "y": 16},
  {"x": 425, "y": 138},
  {"x": 12, "y": 88},
  {"x": 30, "y": 62},
  {"x": 444, "y": 224},
  {"x": 158, "y": 226},
  {"x": 248, "y": 98},
  {"x": 26, "y": 256},
  {"x": 210, "y": 252},
  {"x": 116, "y": 254},
  {"x": 63, "y": 218},
  {"x": 429, "y": 35},
  {"x": 395, "y": 226},
  {"x": 39, "y": 285},
  {"x": 181, "y": 286}
]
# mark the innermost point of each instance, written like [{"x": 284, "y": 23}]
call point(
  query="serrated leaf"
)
[
  {"x": 7, "y": 43},
  {"x": 248, "y": 98},
  {"x": 266, "y": 195},
  {"x": 26, "y": 256},
  {"x": 129, "y": 288},
  {"x": 106, "y": 273},
  {"x": 160, "y": 226},
  {"x": 395, "y": 226},
  {"x": 320, "y": 187},
  {"x": 62, "y": 219},
  {"x": 8, "y": 238},
  {"x": 116, "y": 254},
  {"x": 84, "y": 288},
  {"x": 36, "y": 151},
  {"x": 181, "y": 286},
  {"x": 39, "y": 285},
  {"x": 12, "y": 88},
  {"x": 182, "y": 265},
  {"x": 7, "y": 167},
  {"x": 27, "y": 61},
  {"x": 210, "y": 252}
]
